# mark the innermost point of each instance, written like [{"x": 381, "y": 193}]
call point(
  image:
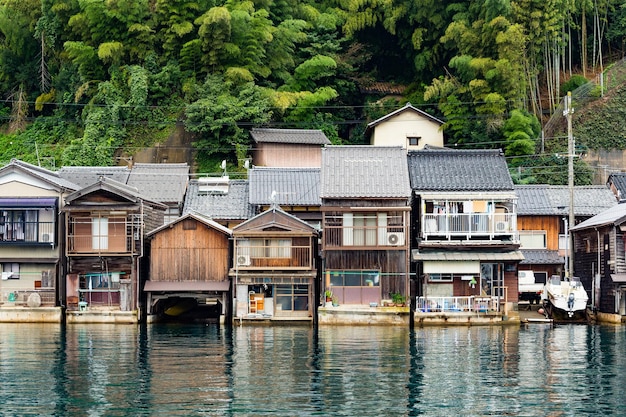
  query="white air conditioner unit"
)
[
  {"x": 243, "y": 260},
  {"x": 46, "y": 237},
  {"x": 395, "y": 239},
  {"x": 501, "y": 226}
]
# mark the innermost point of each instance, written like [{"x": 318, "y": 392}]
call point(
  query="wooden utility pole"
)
[{"x": 567, "y": 112}]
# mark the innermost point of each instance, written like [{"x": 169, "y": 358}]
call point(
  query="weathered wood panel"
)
[
  {"x": 551, "y": 224},
  {"x": 288, "y": 155},
  {"x": 186, "y": 253}
]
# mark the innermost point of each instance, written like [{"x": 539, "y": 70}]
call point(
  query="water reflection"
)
[{"x": 109, "y": 370}]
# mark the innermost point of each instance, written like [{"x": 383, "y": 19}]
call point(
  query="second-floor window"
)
[
  {"x": 265, "y": 248},
  {"x": 533, "y": 239},
  {"x": 26, "y": 226}
]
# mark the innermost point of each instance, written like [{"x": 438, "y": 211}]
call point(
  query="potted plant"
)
[
  {"x": 329, "y": 295},
  {"x": 335, "y": 301},
  {"x": 398, "y": 299}
]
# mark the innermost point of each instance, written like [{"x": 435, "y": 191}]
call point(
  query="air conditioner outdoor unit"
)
[
  {"x": 46, "y": 237},
  {"x": 243, "y": 260},
  {"x": 501, "y": 226},
  {"x": 395, "y": 239}
]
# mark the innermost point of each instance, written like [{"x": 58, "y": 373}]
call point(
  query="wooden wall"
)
[
  {"x": 288, "y": 155},
  {"x": 551, "y": 224},
  {"x": 189, "y": 251}
]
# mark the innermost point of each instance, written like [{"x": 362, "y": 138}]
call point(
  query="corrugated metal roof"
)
[
  {"x": 364, "y": 172},
  {"x": 544, "y": 199},
  {"x": 615, "y": 215},
  {"x": 299, "y": 136},
  {"x": 233, "y": 205},
  {"x": 441, "y": 170},
  {"x": 290, "y": 186}
]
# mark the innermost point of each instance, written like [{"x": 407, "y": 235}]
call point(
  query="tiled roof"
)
[
  {"x": 441, "y": 170},
  {"x": 616, "y": 215},
  {"x": 546, "y": 200},
  {"x": 299, "y": 136},
  {"x": 364, "y": 172},
  {"x": 160, "y": 182},
  {"x": 84, "y": 175},
  {"x": 233, "y": 205},
  {"x": 407, "y": 107},
  {"x": 115, "y": 187},
  {"x": 618, "y": 180},
  {"x": 541, "y": 256},
  {"x": 202, "y": 219},
  {"x": 46, "y": 175},
  {"x": 289, "y": 186}
]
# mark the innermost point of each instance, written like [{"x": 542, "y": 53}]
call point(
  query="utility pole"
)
[{"x": 567, "y": 112}]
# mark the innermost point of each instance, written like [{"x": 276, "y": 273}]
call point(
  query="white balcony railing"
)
[
  {"x": 457, "y": 304},
  {"x": 468, "y": 225}
]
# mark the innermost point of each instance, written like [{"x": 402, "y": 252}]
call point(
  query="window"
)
[
  {"x": 440, "y": 277},
  {"x": 292, "y": 297},
  {"x": 100, "y": 233},
  {"x": 533, "y": 239},
  {"x": 364, "y": 229},
  {"x": 265, "y": 248},
  {"x": 10, "y": 270},
  {"x": 413, "y": 140},
  {"x": 348, "y": 278}
]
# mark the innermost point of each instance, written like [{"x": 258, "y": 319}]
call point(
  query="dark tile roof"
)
[
  {"x": 114, "y": 187},
  {"x": 298, "y": 136},
  {"x": 85, "y": 176},
  {"x": 166, "y": 183},
  {"x": 541, "y": 256},
  {"x": 618, "y": 180},
  {"x": 364, "y": 172},
  {"x": 441, "y": 170},
  {"x": 547, "y": 200},
  {"x": 613, "y": 216},
  {"x": 233, "y": 205},
  {"x": 289, "y": 186}
]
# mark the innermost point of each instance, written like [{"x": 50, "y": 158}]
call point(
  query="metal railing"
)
[
  {"x": 273, "y": 256},
  {"x": 27, "y": 232},
  {"x": 457, "y": 304},
  {"x": 469, "y": 225}
]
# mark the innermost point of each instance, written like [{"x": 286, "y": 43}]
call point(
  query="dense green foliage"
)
[{"x": 82, "y": 81}]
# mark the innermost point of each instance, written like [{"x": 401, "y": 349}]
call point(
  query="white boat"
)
[{"x": 565, "y": 299}]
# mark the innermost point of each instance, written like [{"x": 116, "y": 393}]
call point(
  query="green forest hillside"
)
[{"x": 85, "y": 81}]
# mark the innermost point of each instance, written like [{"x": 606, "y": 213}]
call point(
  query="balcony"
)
[
  {"x": 273, "y": 257},
  {"x": 472, "y": 226},
  {"x": 97, "y": 245},
  {"x": 27, "y": 233},
  {"x": 457, "y": 304}
]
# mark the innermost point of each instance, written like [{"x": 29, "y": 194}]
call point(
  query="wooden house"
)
[
  {"x": 189, "y": 263},
  {"x": 542, "y": 217},
  {"x": 274, "y": 267},
  {"x": 408, "y": 127},
  {"x": 295, "y": 190},
  {"x": 221, "y": 199},
  {"x": 31, "y": 234},
  {"x": 105, "y": 225},
  {"x": 600, "y": 261},
  {"x": 366, "y": 207},
  {"x": 287, "y": 147},
  {"x": 465, "y": 238}
]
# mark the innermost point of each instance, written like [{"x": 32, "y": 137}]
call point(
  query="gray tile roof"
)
[
  {"x": 299, "y": 136},
  {"x": 541, "y": 256},
  {"x": 618, "y": 180},
  {"x": 166, "y": 183},
  {"x": 231, "y": 206},
  {"x": 46, "y": 175},
  {"x": 441, "y": 170},
  {"x": 85, "y": 176},
  {"x": 290, "y": 186},
  {"x": 547, "y": 200},
  {"x": 115, "y": 187},
  {"x": 364, "y": 172}
]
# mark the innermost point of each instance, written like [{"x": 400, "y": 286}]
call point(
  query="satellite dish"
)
[
  {"x": 224, "y": 164},
  {"x": 246, "y": 164},
  {"x": 273, "y": 196}
]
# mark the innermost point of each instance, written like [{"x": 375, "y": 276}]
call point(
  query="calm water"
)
[{"x": 188, "y": 370}]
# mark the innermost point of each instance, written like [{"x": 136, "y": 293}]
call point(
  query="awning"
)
[
  {"x": 619, "y": 278},
  {"x": 186, "y": 286},
  {"x": 516, "y": 255},
  {"x": 26, "y": 203},
  {"x": 544, "y": 257}
]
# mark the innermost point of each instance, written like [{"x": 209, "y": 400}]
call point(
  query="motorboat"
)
[{"x": 565, "y": 299}]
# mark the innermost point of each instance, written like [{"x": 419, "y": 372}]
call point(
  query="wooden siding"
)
[
  {"x": 287, "y": 155},
  {"x": 187, "y": 253},
  {"x": 551, "y": 224},
  {"x": 585, "y": 249}
]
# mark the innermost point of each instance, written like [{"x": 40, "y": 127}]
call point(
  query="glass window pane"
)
[
  {"x": 336, "y": 278},
  {"x": 353, "y": 279}
]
